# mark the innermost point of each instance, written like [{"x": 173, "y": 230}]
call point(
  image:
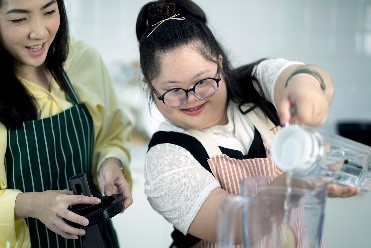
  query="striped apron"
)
[
  {"x": 43, "y": 154},
  {"x": 230, "y": 171}
]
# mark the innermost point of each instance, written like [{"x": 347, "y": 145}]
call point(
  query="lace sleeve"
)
[
  {"x": 267, "y": 73},
  {"x": 176, "y": 185}
]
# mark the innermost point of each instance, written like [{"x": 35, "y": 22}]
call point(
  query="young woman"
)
[
  {"x": 58, "y": 118},
  {"x": 217, "y": 117}
]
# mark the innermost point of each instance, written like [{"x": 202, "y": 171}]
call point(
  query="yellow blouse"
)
[
  {"x": 94, "y": 87},
  {"x": 50, "y": 102}
]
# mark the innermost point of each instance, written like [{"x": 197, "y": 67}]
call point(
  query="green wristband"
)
[{"x": 314, "y": 73}]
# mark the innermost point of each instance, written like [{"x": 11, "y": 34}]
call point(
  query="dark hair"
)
[
  {"x": 155, "y": 40},
  {"x": 16, "y": 103}
]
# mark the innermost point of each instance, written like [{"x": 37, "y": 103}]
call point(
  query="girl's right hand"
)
[{"x": 51, "y": 208}]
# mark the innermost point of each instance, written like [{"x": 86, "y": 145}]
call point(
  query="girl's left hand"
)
[{"x": 112, "y": 181}]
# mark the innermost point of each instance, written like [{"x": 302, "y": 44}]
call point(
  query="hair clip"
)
[
  {"x": 157, "y": 24},
  {"x": 160, "y": 11}
]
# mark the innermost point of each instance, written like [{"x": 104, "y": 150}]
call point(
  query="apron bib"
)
[
  {"x": 43, "y": 154},
  {"x": 230, "y": 171}
]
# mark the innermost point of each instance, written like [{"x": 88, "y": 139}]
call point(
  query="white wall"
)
[{"x": 335, "y": 34}]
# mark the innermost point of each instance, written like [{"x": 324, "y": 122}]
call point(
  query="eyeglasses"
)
[{"x": 204, "y": 88}]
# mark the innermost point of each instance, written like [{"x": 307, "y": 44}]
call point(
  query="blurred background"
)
[{"x": 335, "y": 34}]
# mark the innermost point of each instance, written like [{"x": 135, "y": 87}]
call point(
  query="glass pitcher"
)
[
  {"x": 270, "y": 214},
  {"x": 307, "y": 151}
]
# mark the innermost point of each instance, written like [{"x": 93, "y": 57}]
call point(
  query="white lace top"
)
[{"x": 176, "y": 184}]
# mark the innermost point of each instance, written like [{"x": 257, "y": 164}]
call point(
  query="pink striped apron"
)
[{"x": 229, "y": 172}]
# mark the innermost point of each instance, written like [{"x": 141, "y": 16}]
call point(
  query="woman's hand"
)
[
  {"x": 51, "y": 208},
  {"x": 301, "y": 100},
  {"x": 112, "y": 181}
]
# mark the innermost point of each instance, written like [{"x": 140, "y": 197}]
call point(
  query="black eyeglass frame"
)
[{"x": 192, "y": 89}]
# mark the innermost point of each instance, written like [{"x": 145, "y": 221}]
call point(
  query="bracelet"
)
[{"x": 311, "y": 72}]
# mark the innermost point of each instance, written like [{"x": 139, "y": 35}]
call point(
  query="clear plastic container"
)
[
  {"x": 265, "y": 215},
  {"x": 308, "y": 151}
]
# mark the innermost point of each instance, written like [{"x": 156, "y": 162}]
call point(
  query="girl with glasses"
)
[
  {"x": 219, "y": 120},
  {"x": 58, "y": 118}
]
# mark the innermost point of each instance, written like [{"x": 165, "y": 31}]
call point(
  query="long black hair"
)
[
  {"x": 16, "y": 103},
  {"x": 157, "y": 39}
]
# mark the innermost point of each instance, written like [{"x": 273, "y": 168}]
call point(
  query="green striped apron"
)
[{"x": 43, "y": 154}]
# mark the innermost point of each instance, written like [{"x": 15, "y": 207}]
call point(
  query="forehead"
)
[
  {"x": 6, "y": 5},
  {"x": 186, "y": 59}
]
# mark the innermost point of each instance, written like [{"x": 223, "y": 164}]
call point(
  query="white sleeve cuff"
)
[{"x": 267, "y": 73}]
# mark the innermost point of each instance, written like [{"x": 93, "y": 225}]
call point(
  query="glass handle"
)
[{"x": 227, "y": 215}]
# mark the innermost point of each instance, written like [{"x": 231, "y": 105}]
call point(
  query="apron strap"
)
[
  {"x": 261, "y": 122},
  {"x": 188, "y": 142},
  {"x": 71, "y": 92},
  {"x": 208, "y": 143}
]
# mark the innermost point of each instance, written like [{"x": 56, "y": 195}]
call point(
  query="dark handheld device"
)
[{"x": 109, "y": 207}]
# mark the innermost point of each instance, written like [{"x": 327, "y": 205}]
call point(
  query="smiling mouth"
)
[
  {"x": 35, "y": 48},
  {"x": 194, "y": 108}
]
